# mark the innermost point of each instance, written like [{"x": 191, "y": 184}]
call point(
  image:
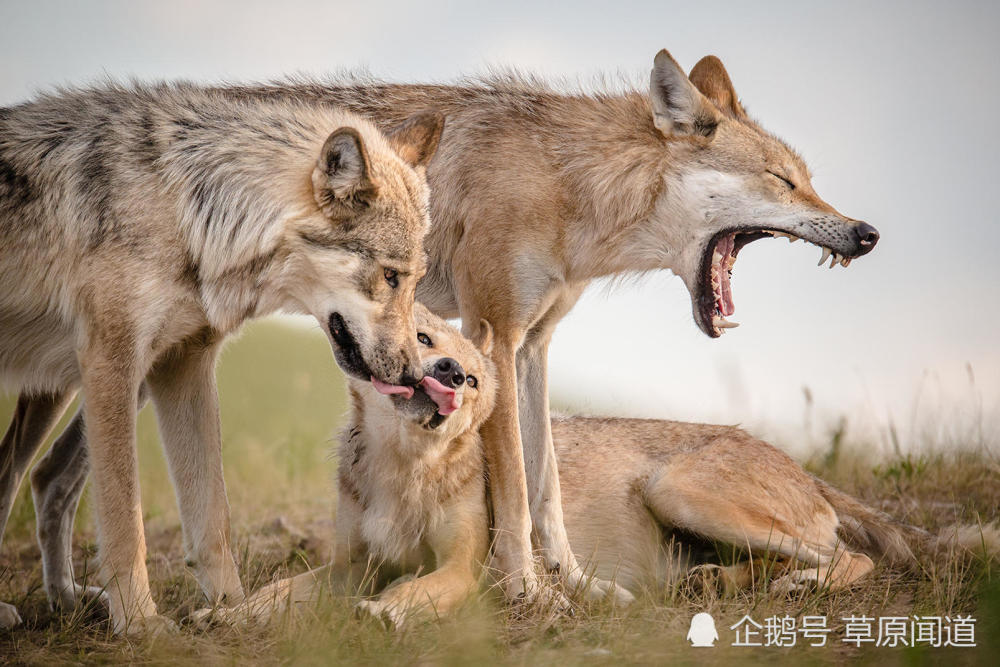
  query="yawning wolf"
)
[{"x": 536, "y": 192}]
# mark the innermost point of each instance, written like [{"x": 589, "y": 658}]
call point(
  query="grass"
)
[{"x": 282, "y": 400}]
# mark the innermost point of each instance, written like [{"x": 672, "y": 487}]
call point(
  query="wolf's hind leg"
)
[
  {"x": 738, "y": 516},
  {"x": 187, "y": 409},
  {"x": 34, "y": 417}
]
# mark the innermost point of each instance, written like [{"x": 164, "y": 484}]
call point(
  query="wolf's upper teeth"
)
[
  {"x": 822, "y": 259},
  {"x": 835, "y": 259},
  {"x": 716, "y": 257},
  {"x": 723, "y": 323},
  {"x": 845, "y": 262}
]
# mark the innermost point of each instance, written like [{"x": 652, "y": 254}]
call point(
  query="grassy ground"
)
[{"x": 282, "y": 400}]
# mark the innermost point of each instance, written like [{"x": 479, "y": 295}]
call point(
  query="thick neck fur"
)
[
  {"x": 402, "y": 475},
  {"x": 612, "y": 162}
]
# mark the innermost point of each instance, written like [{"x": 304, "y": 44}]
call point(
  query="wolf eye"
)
[
  {"x": 791, "y": 186},
  {"x": 472, "y": 381},
  {"x": 424, "y": 339},
  {"x": 391, "y": 277}
]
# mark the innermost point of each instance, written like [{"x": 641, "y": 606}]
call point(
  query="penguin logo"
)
[{"x": 702, "y": 632}]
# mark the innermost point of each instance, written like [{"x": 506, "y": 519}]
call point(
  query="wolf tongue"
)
[
  {"x": 725, "y": 247},
  {"x": 728, "y": 308},
  {"x": 445, "y": 397},
  {"x": 389, "y": 389}
]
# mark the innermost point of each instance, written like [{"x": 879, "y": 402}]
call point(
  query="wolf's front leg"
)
[
  {"x": 460, "y": 545},
  {"x": 110, "y": 385},
  {"x": 542, "y": 473},
  {"x": 187, "y": 409},
  {"x": 505, "y": 461}
]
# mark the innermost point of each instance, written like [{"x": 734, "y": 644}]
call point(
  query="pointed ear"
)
[
  {"x": 678, "y": 107},
  {"x": 711, "y": 78},
  {"x": 341, "y": 181},
  {"x": 483, "y": 338},
  {"x": 416, "y": 138}
]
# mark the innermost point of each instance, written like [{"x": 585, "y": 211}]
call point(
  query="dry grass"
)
[{"x": 282, "y": 400}]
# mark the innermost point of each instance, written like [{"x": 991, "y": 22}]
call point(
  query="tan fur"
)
[
  {"x": 412, "y": 500},
  {"x": 140, "y": 226},
  {"x": 537, "y": 192}
]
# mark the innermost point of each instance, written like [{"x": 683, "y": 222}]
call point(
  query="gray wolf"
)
[
  {"x": 412, "y": 499},
  {"x": 139, "y": 226},
  {"x": 537, "y": 192}
]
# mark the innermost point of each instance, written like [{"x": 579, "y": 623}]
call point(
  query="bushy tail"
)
[
  {"x": 870, "y": 530},
  {"x": 878, "y": 534},
  {"x": 982, "y": 540}
]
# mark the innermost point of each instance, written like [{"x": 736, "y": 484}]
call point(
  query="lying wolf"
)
[
  {"x": 141, "y": 225},
  {"x": 537, "y": 192},
  {"x": 412, "y": 498}
]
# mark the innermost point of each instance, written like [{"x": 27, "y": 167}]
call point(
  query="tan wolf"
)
[
  {"x": 537, "y": 192},
  {"x": 139, "y": 226},
  {"x": 412, "y": 499}
]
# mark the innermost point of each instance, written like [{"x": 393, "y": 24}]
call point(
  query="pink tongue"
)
[
  {"x": 725, "y": 248},
  {"x": 389, "y": 389},
  {"x": 728, "y": 308},
  {"x": 445, "y": 397}
]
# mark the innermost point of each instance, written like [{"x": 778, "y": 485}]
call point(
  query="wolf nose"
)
[
  {"x": 449, "y": 372},
  {"x": 867, "y": 237}
]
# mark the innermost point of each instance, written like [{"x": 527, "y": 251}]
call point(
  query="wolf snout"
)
[
  {"x": 867, "y": 237},
  {"x": 449, "y": 372}
]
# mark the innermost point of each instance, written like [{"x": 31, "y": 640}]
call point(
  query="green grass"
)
[{"x": 282, "y": 402}]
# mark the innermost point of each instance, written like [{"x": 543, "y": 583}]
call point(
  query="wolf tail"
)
[
  {"x": 873, "y": 532},
  {"x": 878, "y": 534}
]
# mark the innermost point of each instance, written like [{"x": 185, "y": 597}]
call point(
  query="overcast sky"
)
[{"x": 893, "y": 105}]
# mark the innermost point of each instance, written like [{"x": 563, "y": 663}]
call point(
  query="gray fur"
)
[{"x": 140, "y": 225}]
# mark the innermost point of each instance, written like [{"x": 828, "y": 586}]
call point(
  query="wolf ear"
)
[
  {"x": 483, "y": 338},
  {"x": 416, "y": 138},
  {"x": 341, "y": 181},
  {"x": 678, "y": 107},
  {"x": 711, "y": 78}
]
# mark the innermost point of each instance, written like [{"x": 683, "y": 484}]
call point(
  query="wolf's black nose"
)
[
  {"x": 449, "y": 372},
  {"x": 867, "y": 237}
]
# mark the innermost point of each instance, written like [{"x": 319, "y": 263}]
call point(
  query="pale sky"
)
[{"x": 891, "y": 104}]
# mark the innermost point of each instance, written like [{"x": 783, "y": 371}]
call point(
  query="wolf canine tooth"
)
[
  {"x": 723, "y": 323},
  {"x": 822, "y": 259}
]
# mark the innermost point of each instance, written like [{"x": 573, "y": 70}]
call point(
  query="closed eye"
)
[{"x": 791, "y": 186}]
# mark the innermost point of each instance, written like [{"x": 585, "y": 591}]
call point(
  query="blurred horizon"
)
[{"x": 881, "y": 100}]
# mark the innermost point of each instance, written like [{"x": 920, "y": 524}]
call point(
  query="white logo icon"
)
[{"x": 702, "y": 632}]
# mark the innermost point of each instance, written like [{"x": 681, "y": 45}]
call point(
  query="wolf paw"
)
[
  {"x": 148, "y": 626},
  {"x": 392, "y": 617},
  {"x": 796, "y": 581},
  {"x": 595, "y": 589},
  {"x": 73, "y": 596},
  {"x": 9, "y": 617}
]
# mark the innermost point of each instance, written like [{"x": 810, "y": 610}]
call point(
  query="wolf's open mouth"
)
[
  {"x": 715, "y": 302},
  {"x": 346, "y": 349}
]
